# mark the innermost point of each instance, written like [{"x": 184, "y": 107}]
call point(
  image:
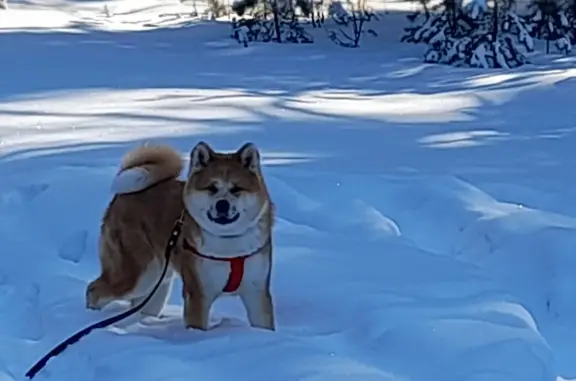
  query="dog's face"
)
[{"x": 225, "y": 193}]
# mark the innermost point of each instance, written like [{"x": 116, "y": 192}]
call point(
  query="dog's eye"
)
[
  {"x": 235, "y": 190},
  {"x": 212, "y": 189}
]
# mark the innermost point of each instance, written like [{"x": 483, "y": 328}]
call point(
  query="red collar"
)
[{"x": 236, "y": 266}]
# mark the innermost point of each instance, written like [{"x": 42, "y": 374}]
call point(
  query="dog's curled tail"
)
[{"x": 145, "y": 166}]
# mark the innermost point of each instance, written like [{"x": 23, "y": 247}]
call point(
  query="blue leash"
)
[{"x": 57, "y": 350}]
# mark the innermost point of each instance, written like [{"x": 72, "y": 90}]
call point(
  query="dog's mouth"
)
[{"x": 223, "y": 219}]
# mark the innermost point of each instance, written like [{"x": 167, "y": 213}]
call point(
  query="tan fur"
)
[{"x": 136, "y": 227}]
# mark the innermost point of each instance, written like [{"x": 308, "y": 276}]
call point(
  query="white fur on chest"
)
[
  {"x": 231, "y": 247},
  {"x": 214, "y": 274}
]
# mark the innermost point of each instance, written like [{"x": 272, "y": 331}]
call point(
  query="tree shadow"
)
[
  {"x": 375, "y": 109},
  {"x": 319, "y": 108}
]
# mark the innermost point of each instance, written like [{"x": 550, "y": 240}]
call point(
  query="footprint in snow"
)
[
  {"x": 22, "y": 194},
  {"x": 5, "y": 375},
  {"x": 20, "y": 312},
  {"x": 73, "y": 247}
]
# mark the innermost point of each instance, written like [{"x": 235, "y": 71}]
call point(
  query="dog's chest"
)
[
  {"x": 232, "y": 265},
  {"x": 216, "y": 276}
]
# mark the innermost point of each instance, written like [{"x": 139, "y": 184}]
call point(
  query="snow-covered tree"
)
[
  {"x": 473, "y": 34},
  {"x": 350, "y": 23},
  {"x": 312, "y": 9},
  {"x": 216, "y": 9},
  {"x": 440, "y": 24},
  {"x": 569, "y": 9},
  {"x": 549, "y": 21},
  {"x": 502, "y": 40},
  {"x": 269, "y": 21}
]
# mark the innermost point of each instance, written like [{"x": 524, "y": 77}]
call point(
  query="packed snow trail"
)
[
  {"x": 388, "y": 175},
  {"x": 362, "y": 305}
]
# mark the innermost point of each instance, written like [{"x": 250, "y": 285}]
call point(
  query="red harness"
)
[{"x": 236, "y": 267}]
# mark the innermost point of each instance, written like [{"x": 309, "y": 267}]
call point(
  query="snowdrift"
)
[{"x": 356, "y": 298}]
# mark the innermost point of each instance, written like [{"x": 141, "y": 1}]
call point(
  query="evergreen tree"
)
[
  {"x": 549, "y": 21},
  {"x": 269, "y": 21},
  {"x": 350, "y": 23},
  {"x": 473, "y": 35},
  {"x": 569, "y": 8}
]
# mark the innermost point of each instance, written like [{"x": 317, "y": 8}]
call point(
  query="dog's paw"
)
[{"x": 94, "y": 298}]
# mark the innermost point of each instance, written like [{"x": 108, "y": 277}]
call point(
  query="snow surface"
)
[{"x": 425, "y": 218}]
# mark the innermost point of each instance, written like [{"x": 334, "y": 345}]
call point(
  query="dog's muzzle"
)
[{"x": 222, "y": 208}]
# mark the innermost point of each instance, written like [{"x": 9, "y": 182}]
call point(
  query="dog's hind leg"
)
[
  {"x": 119, "y": 276},
  {"x": 145, "y": 285}
]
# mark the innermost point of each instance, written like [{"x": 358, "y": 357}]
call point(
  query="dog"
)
[{"x": 226, "y": 241}]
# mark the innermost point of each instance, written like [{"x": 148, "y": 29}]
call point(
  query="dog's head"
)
[{"x": 225, "y": 192}]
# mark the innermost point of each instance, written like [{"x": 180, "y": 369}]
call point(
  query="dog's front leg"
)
[
  {"x": 259, "y": 307},
  {"x": 196, "y": 310}
]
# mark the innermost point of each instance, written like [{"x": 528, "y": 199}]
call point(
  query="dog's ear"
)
[
  {"x": 200, "y": 156},
  {"x": 249, "y": 157}
]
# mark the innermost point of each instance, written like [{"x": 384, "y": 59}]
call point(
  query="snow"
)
[{"x": 425, "y": 213}]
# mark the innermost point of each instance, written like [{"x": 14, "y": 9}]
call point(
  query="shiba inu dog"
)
[{"x": 226, "y": 241}]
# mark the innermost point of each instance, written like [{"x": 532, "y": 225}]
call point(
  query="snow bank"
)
[
  {"x": 528, "y": 252},
  {"x": 531, "y": 252},
  {"x": 355, "y": 298}
]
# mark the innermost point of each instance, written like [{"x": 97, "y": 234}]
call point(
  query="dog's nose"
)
[{"x": 222, "y": 206}]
